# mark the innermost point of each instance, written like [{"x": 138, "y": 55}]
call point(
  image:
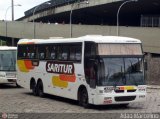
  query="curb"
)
[{"x": 153, "y": 87}]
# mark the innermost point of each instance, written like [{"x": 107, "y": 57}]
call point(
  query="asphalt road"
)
[{"x": 20, "y": 100}]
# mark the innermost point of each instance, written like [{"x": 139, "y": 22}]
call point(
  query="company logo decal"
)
[
  {"x": 65, "y": 70},
  {"x": 60, "y": 67}
]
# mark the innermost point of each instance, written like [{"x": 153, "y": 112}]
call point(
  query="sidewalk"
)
[{"x": 153, "y": 86}]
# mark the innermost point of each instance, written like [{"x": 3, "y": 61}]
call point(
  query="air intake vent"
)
[
  {"x": 131, "y": 90},
  {"x": 119, "y": 91},
  {"x": 125, "y": 98}
]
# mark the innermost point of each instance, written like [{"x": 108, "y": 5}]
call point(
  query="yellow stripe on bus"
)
[
  {"x": 129, "y": 88},
  {"x": 59, "y": 83}
]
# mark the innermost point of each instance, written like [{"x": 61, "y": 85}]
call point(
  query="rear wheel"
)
[
  {"x": 34, "y": 88},
  {"x": 83, "y": 98},
  {"x": 40, "y": 91}
]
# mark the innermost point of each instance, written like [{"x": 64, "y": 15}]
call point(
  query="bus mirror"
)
[{"x": 145, "y": 66}]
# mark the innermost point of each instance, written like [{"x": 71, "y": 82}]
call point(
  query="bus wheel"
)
[
  {"x": 34, "y": 88},
  {"x": 83, "y": 98},
  {"x": 18, "y": 86},
  {"x": 40, "y": 89}
]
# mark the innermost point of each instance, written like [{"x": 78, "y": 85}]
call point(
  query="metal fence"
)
[{"x": 150, "y": 21}]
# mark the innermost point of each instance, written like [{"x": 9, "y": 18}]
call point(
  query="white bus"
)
[
  {"x": 99, "y": 70},
  {"x": 8, "y": 64}
]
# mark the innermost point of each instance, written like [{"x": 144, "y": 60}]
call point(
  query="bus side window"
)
[
  {"x": 78, "y": 54},
  {"x": 65, "y": 52},
  {"x": 32, "y": 52},
  {"x": 41, "y": 52},
  {"x": 32, "y": 55},
  {"x": 53, "y": 50},
  {"x": 53, "y": 55},
  {"x": 75, "y": 53},
  {"x": 72, "y": 53},
  {"x": 22, "y": 52},
  {"x": 41, "y": 55},
  {"x": 59, "y": 53}
]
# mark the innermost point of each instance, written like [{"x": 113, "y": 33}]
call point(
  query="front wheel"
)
[{"x": 83, "y": 98}]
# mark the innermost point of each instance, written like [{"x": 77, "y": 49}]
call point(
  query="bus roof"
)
[
  {"x": 93, "y": 38},
  {"x": 8, "y": 48}
]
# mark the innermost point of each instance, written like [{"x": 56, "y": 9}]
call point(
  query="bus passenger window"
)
[
  {"x": 22, "y": 51},
  {"x": 41, "y": 56},
  {"x": 72, "y": 53},
  {"x": 75, "y": 53},
  {"x": 78, "y": 54},
  {"x": 53, "y": 55},
  {"x": 24, "y": 54},
  {"x": 32, "y": 55},
  {"x": 64, "y": 56},
  {"x": 47, "y": 52},
  {"x": 65, "y": 52},
  {"x": 28, "y": 55},
  {"x": 52, "y": 52},
  {"x": 59, "y": 53},
  {"x": 41, "y": 52}
]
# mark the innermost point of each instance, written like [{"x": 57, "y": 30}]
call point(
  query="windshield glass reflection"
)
[
  {"x": 7, "y": 60},
  {"x": 121, "y": 71}
]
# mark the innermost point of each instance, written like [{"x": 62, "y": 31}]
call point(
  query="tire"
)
[
  {"x": 18, "y": 86},
  {"x": 34, "y": 88},
  {"x": 83, "y": 98},
  {"x": 124, "y": 105},
  {"x": 40, "y": 91}
]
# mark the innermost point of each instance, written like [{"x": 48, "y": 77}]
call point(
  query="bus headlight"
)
[{"x": 2, "y": 76}]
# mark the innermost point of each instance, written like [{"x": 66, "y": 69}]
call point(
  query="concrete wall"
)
[
  {"x": 149, "y": 36},
  {"x": 153, "y": 69}
]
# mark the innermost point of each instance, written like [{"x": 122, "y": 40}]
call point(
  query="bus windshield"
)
[
  {"x": 121, "y": 71},
  {"x": 8, "y": 60}
]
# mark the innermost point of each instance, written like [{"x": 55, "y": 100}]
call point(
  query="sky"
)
[{"x": 18, "y": 10}]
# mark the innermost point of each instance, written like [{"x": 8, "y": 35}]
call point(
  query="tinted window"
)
[
  {"x": 75, "y": 53},
  {"x": 64, "y": 52}
]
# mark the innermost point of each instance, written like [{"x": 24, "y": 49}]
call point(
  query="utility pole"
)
[
  {"x": 12, "y": 10},
  {"x": 12, "y": 4}
]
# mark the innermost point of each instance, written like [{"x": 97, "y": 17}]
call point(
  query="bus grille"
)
[
  {"x": 125, "y": 98},
  {"x": 134, "y": 90},
  {"x": 119, "y": 91},
  {"x": 11, "y": 80}
]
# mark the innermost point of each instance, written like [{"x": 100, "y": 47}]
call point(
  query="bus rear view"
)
[
  {"x": 8, "y": 64},
  {"x": 115, "y": 69}
]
